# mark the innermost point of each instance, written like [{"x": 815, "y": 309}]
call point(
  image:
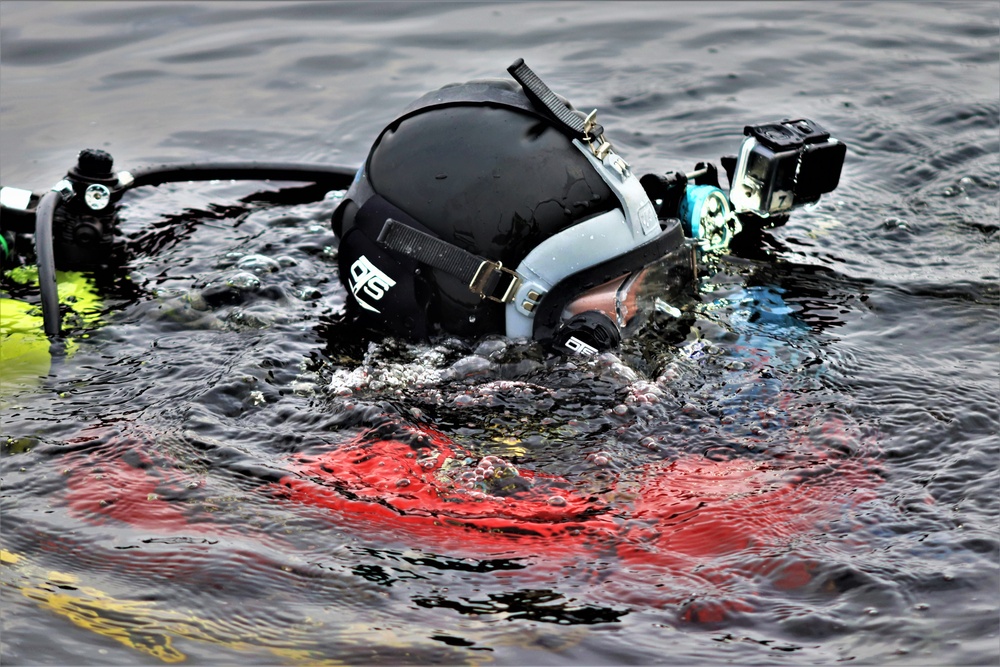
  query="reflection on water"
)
[{"x": 799, "y": 467}]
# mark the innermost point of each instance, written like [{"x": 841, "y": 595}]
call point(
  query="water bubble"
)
[
  {"x": 258, "y": 264},
  {"x": 196, "y": 300},
  {"x": 490, "y": 348},
  {"x": 470, "y": 366},
  {"x": 557, "y": 501},
  {"x": 599, "y": 458},
  {"x": 244, "y": 281},
  {"x": 229, "y": 259},
  {"x": 242, "y": 318},
  {"x": 403, "y": 482}
]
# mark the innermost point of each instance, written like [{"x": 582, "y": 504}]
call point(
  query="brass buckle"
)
[
  {"x": 481, "y": 280},
  {"x": 602, "y": 147}
]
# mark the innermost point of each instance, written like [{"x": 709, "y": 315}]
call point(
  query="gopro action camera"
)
[{"x": 784, "y": 165}]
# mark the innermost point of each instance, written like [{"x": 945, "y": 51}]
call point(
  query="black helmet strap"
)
[
  {"x": 486, "y": 279},
  {"x": 534, "y": 97},
  {"x": 587, "y": 129},
  {"x": 544, "y": 98}
]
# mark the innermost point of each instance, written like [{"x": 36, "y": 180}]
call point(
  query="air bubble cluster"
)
[
  {"x": 599, "y": 458},
  {"x": 491, "y": 476}
]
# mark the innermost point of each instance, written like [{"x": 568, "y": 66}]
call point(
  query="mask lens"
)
[
  {"x": 628, "y": 300},
  {"x": 603, "y": 299}
]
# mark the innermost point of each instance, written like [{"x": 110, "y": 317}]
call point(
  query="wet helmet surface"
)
[{"x": 474, "y": 165}]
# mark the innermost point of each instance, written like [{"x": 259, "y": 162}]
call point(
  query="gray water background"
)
[{"x": 895, "y": 275}]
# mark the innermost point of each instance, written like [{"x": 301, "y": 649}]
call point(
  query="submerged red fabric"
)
[{"x": 692, "y": 518}]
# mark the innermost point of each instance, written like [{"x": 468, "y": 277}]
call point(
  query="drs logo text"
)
[{"x": 368, "y": 283}]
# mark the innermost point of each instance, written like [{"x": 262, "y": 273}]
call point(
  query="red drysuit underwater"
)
[{"x": 680, "y": 528}]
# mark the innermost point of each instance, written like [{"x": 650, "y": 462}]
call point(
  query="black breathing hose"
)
[
  {"x": 336, "y": 178},
  {"x": 51, "y": 319}
]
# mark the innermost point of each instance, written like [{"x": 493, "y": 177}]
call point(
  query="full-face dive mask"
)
[{"x": 493, "y": 207}]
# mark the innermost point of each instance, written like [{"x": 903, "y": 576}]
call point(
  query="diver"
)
[
  {"x": 494, "y": 207},
  {"x": 486, "y": 208},
  {"x": 489, "y": 207}
]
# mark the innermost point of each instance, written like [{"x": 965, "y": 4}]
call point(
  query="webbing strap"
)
[
  {"x": 587, "y": 129},
  {"x": 542, "y": 95},
  {"x": 483, "y": 277}
]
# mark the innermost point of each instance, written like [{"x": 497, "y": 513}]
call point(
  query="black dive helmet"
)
[{"x": 484, "y": 208}]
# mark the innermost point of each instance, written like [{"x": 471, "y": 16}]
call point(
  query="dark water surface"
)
[{"x": 865, "y": 329}]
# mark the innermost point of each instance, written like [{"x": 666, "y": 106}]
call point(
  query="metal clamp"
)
[
  {"x": 481, "y": 281},
  {"x": 64, "y": 189},
  {"x": 594, "y": 132}
]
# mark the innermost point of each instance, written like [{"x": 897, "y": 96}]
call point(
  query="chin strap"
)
[{"x": 485, "y": 278}]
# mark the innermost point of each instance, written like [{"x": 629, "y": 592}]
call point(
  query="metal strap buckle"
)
[
  {"x": 594, "y": 132},
  {"x": 481, "y": 281}
]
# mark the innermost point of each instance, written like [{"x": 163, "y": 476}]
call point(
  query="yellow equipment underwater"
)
[
  {"x": 151, "y": 628},
  {"x": 25, "y": 350}
]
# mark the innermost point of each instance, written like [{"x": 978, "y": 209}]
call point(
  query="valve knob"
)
[{"x": 95, "y": 163}]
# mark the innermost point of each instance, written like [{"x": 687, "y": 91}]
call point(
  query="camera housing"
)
[{"x": 784, "y": 165}]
